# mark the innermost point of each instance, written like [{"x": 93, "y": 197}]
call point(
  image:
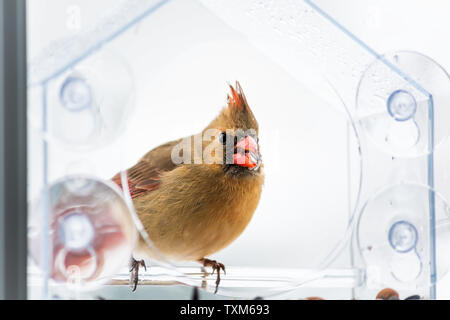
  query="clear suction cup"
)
[
  {"x": 91, "y": 231},
  {"x": 395, "y": 238},
  {"x": 76, "y": 231},
  {"x": 396, "y": 110},
  {"x": 89, "y": 105},
  {"x": 76, "y": 93},
  {"x": 401, "y": 105}
]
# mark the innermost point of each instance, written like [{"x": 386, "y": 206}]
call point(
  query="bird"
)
[{"x": 194, "y": 208}]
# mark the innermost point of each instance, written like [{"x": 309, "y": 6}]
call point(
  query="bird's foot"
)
[
  {"x": 134, "y": 272},
  {"x": 216, "y": 266}
]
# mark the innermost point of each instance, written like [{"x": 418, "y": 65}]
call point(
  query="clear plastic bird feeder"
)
[{"x": 352, "y": 140}]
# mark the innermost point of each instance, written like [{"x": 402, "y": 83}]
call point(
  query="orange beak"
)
[{"x": 247, "y": 154}]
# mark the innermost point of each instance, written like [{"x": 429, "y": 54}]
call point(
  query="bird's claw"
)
[
  {"x": 219, "y": 266},
  {"x": 216, "y": 266},
  {"x": 135, "y": 264},
  {"x": 134, "y": 272}
]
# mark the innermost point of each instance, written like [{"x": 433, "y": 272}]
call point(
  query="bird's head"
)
[{"x": 237, "y": 134}]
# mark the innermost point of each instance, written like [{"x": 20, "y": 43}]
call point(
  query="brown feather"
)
[
  {"x": 193, "y": 210},
  {"x": 198, "y": 210}
]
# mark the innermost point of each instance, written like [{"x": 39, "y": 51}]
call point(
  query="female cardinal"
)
[{"x": 197, "y": 207}]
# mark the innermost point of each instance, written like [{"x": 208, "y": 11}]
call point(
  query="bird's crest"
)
[
  {"x": 237, "y": 114},
  {"x": 237, "y": 99}
]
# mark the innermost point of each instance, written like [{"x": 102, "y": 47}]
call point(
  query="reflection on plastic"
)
[{"x": 92, "y": 233}]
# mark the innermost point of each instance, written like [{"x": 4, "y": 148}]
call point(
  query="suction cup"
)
[
  {"x": 395, "y": 238},
  {"x": 91, "y": 231},
  {"x": 89, "y": 105},
  {"x": 394, "y": 106}
]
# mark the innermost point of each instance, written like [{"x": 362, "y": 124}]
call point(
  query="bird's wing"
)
[{"x": 145, "y": 175}]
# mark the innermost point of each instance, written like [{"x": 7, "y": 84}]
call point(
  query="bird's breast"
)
[{"x": 198, "y": 211}]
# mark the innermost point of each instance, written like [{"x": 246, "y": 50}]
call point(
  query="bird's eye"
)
[{"x": 223, "y": 138}]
